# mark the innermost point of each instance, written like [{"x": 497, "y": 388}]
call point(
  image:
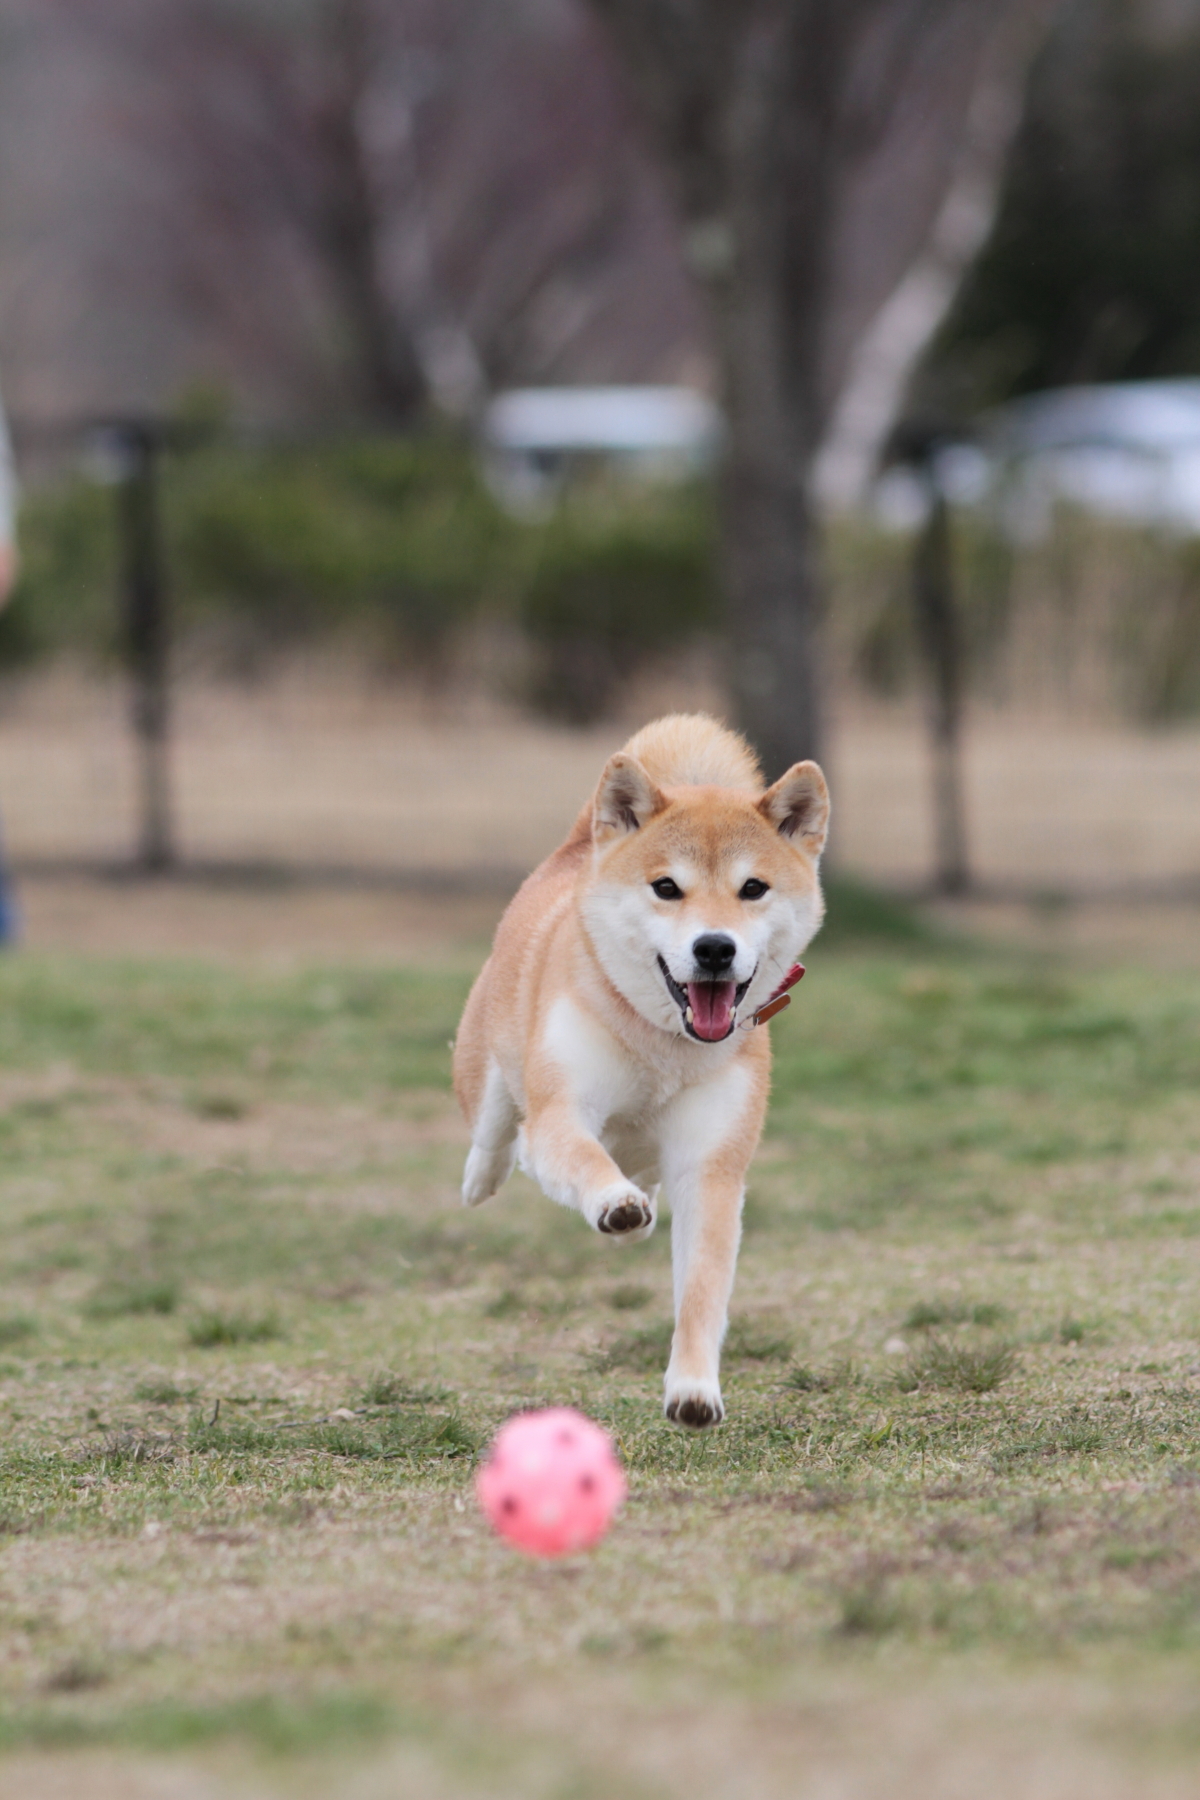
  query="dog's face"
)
[{"x": 701, "y": 898}]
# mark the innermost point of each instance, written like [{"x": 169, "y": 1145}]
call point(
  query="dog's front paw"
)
[
  {"x": 623, "y": 1212},
  {"x": 694, "y": 1403}
]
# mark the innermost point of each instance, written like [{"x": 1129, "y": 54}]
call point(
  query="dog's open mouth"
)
[{"x": 709, "y": 1008}]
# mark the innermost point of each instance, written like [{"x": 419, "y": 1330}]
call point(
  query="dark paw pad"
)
[
  {"x": 630, "y": 1215},
  {"x": 696, "y": 1413}
]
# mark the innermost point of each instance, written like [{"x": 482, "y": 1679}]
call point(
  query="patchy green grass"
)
[
  {"x": 974, "y": 1368},
  {"x": 251, "y": 1348},
  {"x": 121, "y": 1295},
  {"x": 211, "y": 1329},
  {"x": 273, "y": 1723}
]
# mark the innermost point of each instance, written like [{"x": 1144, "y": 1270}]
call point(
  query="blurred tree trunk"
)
[
  {"x": 810, "y": 146},
  {"x": 348, "y": 219}
]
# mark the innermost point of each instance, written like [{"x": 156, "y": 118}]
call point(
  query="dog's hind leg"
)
[{"x": 493, "y": 1140}]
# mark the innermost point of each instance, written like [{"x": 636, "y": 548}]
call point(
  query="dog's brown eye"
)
[
  {"x": 666, "y": 889},
  {"x": 754, "y": 889}
]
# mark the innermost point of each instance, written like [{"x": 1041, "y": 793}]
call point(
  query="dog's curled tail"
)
[{"x": 692, "y": 750}]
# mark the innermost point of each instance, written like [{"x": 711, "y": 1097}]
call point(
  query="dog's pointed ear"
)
[
  {"x": 798, "y": 806},
  {"x": 625, "y": 799}
]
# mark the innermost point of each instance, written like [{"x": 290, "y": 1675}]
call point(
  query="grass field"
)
[{"x": 947, "y": 1544}]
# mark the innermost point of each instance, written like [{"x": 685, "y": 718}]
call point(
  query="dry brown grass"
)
[{"x": 306, "y": 773}]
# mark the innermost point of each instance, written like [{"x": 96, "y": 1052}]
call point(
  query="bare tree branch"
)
[{"x": 810, "y": 148}]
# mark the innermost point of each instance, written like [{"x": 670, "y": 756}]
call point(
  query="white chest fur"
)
[{"x": 643, "y": 1109}]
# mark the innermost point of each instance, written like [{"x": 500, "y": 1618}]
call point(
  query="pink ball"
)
[{"x": 552, "y": 1482}]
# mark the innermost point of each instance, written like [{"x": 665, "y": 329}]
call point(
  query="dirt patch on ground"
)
[
  {"x": 279, "y": 925},
  {"x": 312, "y": 774},
  {"x": 277, "y": 1136}
]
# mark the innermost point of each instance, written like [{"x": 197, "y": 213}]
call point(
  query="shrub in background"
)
[
  {"x": 612, "y": 587},
  {"x": 274, "y": 545},
  {"x": 396, "y": 537},
  {"x": 398, "y": 546},
  {"x": 1098, "y": 619},
  {"x": 64, "y": 600},
  {"x": 396, "y": 543}
]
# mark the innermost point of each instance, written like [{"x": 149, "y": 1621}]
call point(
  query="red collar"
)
[{"x": 780, "y": 998}]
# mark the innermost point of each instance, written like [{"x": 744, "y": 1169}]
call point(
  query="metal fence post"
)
[
  {"x": 915, "y": 445},
  {"x": 938, "y": 634},
  {"x": 147, "y": 636}
]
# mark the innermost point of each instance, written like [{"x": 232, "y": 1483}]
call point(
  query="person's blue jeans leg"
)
[{"x": 9, "y": 917}]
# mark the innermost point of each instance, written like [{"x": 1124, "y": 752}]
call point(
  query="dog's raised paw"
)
[
  {"x": 696, "y": 1404},
  {"x": 627, "y": 1214}
]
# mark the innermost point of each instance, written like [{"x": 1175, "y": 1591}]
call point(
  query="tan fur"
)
[
  {"x": 573, "y": 1049},
  {"x": 684, "y": 749}
]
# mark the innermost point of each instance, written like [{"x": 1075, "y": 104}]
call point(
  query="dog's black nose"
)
[{"x": 714, "y": 953}]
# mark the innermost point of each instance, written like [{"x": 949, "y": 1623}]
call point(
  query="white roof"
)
[
  {"x": 602, "y": 418},
  {"x": 1127, "y": 450},
  {"x": 1155, "y": 417}
]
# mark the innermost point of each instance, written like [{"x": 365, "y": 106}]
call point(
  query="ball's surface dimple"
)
[{"x": 552, "y": 1482}]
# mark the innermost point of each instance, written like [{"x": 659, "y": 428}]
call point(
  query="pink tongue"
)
[{"x": 712, "y": 1008}]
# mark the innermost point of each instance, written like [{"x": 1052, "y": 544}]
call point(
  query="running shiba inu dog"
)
[{"x": 602, "y": 1044}]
